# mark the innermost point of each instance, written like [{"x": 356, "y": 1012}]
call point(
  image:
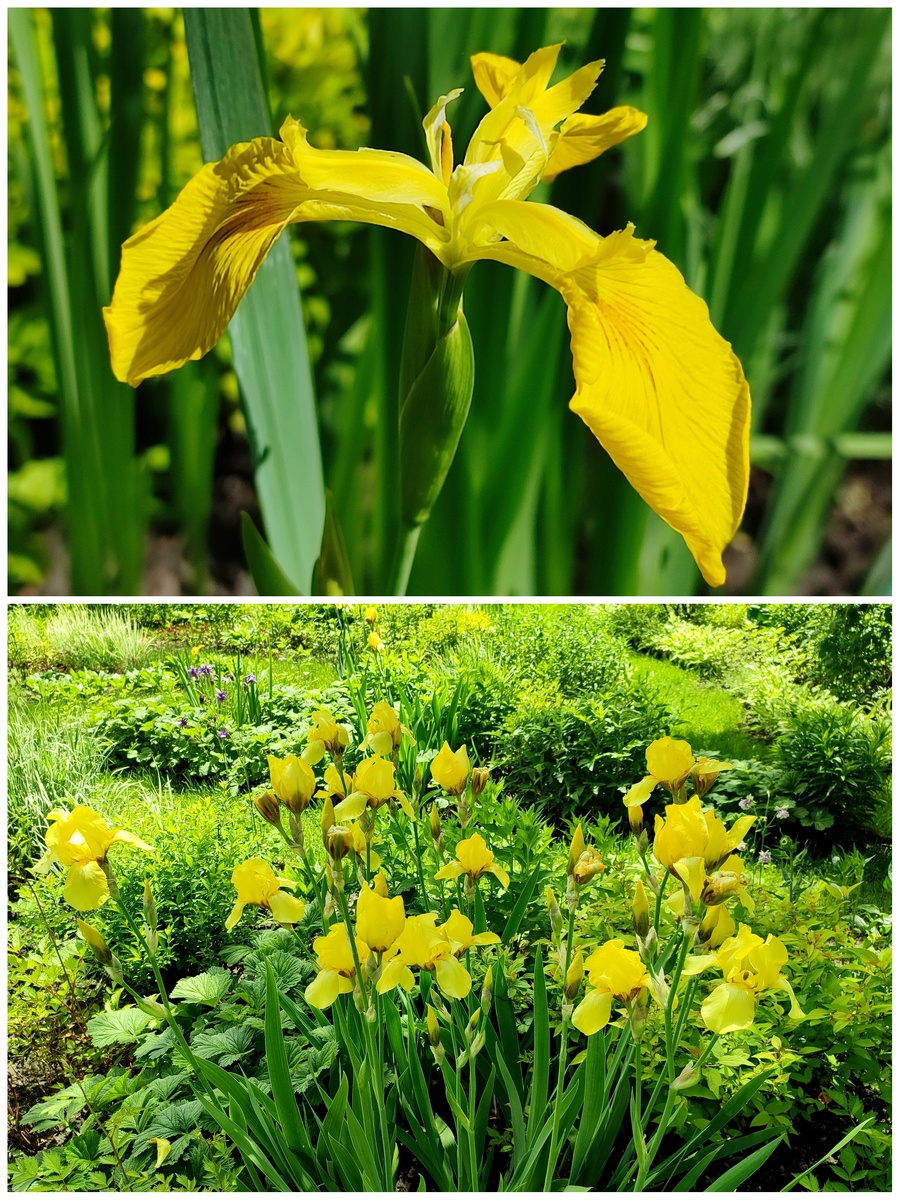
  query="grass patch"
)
[{"x": 708, "y": 717}]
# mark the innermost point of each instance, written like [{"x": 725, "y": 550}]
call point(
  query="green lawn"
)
[{"x": 709, "y": 718}]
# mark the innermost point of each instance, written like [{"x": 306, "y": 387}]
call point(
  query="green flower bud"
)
[{"x": 437, "y": 375}]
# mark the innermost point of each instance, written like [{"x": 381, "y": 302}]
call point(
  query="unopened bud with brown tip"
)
[
  {"x": 574, "y": 976},
  {"x": 149, "y": 908},
  {"x": 339, "y": 841},
  {"x": 636, "y": 819},
  {"x": 95, "y": 940},
  {"x": 268, "y": 808},
  {"x": 478, "y": 780}
]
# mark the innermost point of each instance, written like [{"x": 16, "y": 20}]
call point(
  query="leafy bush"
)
[
  {"x": 572, "y": 758},
  {"x": 573, "y": 651},
  {"x": 838, "y": 759},
  {"x": 637, "y": 624},
  {"x": 854, "y": 651}
]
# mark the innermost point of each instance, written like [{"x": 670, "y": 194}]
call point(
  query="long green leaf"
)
[
  {"x": 732, "y": 1179},
  {"x": 267, "y": 333}
]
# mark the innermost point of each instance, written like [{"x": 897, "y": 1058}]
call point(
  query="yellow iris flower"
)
[
  {"x": 373, "y": 780},
  {"x": 337, "y": 969},
  {"x": 379, "y": 920},
  {"x": 692, "y": 844},
  {"x": 473, "y": 859},
  {"x": 384, "y": 733},
  {"x": 325, "y": 734},
  {"x": 450, "y": 769},
  {"x": 655, "y": 382},
  {"x": 460, "y": 932},
  {"x": 425, "y": 947},
  {"x": 750, "y": 966},
  {"x": 293, "y": 781},
  {"x": 613, "y": 973},
  {"x": 80, "y": 840},
  {"x": 257, "y": 883}
]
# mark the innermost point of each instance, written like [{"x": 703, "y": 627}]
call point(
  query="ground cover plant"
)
[
  {"x": 753, "y": 146},
  {"x": 354, "y": 944}
]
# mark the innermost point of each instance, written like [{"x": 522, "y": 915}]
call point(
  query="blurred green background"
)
[{"x": 764, "y": 174}]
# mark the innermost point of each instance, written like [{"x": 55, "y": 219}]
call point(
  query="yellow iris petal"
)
[
  {"x": 452, "y": 978},
  {"x": 494, "y": 75},
  {"x": 395, "y": 974},
  {"x": 183, "y": 275},
  {"x": 452, "y": 870},
  {"x": 287, "y": 910},
  {"x": 86, "y": 886},
  {"x": 728, "y": 1008},
  {"x": 325, "y": 989},
  {"x": 583, "y": 138},
  {"x": 593, "y": 1013},
  {"x": 659, "y": 388}
]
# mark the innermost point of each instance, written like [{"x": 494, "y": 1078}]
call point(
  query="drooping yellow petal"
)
[
  {"x": 86, "y": 886},
  {"x": 593, "y": 1013},
  {"x": 325, "y": 989},
  {"x": 395, "y": 974},
  {"x": 183, "y": 275},
  {"x": 728, "y": 1008},
  {"x": 659, "y": 388},
  {"x": 350, "y": 808},
  {"x": 499, "y": 873},
  {"x": 691, "y": 871},
  {"x": 452, "y": 978},
  {"x": 451, "y": 870},
  {"x": 639, "y": 793},
  {"x": 287, "y": 910},
  {"x": 583, "y": 138}
]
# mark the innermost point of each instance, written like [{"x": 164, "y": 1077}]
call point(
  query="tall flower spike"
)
[{"x": 655, "y": 383}]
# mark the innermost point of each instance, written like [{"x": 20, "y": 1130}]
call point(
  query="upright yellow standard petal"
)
[
  {"x": 450, "y": 769},
  {"x": 669, "y": 761},
  {"x": 379, "y": 921}
]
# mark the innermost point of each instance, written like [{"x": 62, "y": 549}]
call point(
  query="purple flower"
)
[
  {"x": 746, "y": 803},
  {"x": 194, "y": 672},
  {"x": 182, "y": 724},
  {"x": 220, "y": 695},
  {"x": 765, "y": 857},
  {"x": 248, "y": 679},
  {"x": 782, "y": 812},
  {"x": 206, "y": 669},
  {"x": 223, "y": 733}
]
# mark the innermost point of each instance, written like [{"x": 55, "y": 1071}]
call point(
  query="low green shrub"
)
[
  {"x": 570, "y": 758},
  {"x": 838, "y": 759},
  {"x": 854, "y": 651},
  {"x": 637, "y": 624}
]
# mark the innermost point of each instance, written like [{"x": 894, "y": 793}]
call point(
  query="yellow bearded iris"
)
[
  {"x": 613, "y": 973},
  {"x": 750, "y": 966},
  {"x": 460, "y": 932},
  {"x": 257, "y": 883},
  {"x": 655, "y": 382},
  {"x": 450, "y": 769},
  {"x": 384, "y": 733},
  {"x": 80, "y": 840},
  {"x": 379, "y": 920},
  {"x": 373, "y": 782},
  {"x": 474, "y": 860},
  {"x": 337, "y": 970},
  {"x": 425, "y": 947},
  {"x": 293, "y": 781},
  {"x": 692, "y": 843}
]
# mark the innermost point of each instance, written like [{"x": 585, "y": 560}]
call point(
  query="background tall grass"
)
[{"x": 764, "y": 174}]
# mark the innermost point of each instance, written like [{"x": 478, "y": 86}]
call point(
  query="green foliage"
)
[
  {"x": 854, "y": 651},
  {"x": 836, "y": 758},
  {"x": 73, "y": 636},
  {"x": 571, "y": 758}
]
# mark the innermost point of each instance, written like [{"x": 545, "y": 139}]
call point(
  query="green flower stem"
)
[
  {"x": 659, "y": 900},
  {"x": 351, "y": 938},
  {"x": 404, "y": 554},
  {"x": 670, "y": 1041},
  {"x": 419, "y": 871},
  {"x": 561, "y": 1070}
]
